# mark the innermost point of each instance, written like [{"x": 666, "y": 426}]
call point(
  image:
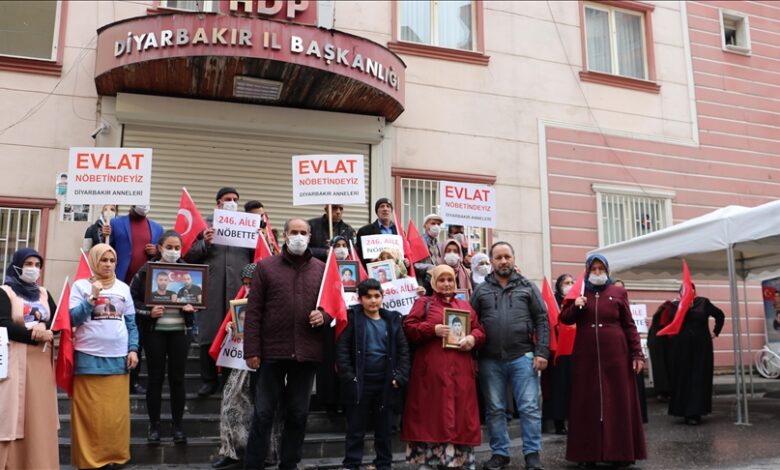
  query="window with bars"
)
[
  {"x": 19, "y": 228},
  {"x": 626, "y": 213},
  {"x": 420, "y": 197}
]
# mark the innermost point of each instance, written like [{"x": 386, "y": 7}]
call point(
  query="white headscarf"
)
[{"x": 475, "y": 260}]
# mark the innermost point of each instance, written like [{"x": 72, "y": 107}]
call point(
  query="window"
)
[
  {"x": 625, "y": 213},
  {"x": 188, "y": 5},
  {"x": 19, "y": 228},
  {"x": 735, "y": 32},
  {"x": 30, "y": 30}
]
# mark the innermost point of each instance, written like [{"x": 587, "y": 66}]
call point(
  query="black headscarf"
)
[
  {"x": 559, "y": 288},
  {"x": 588, "y": 264},
  {"x": 25, "y": 290}
]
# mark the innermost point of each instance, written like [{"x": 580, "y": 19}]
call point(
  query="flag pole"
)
[
  {"x": 57, "y": 311},
  {"x": 322, "y": 284},
  {"x": 330, "y": 223}
]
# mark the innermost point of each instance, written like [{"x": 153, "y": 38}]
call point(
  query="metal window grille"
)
[
  {"x": 19, "y": 228},
  {"x": 624, "y": 217}
]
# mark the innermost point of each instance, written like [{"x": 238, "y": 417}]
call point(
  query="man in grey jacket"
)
[{"x": 514, "y": 317}]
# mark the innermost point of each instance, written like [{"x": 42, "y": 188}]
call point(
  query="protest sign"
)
[
  {"x": 328, "y": 179},
  {"x": 109, "y": 175},
  {"x": 400, "y": 295},
  {"x": 473, "y": 205},
  {"x": 232, "y": 354},
  {"x": 374, "y": 244},
  {"x": 234, "y": 228},
  {"x": 639, "y": 314},
  {"x": 350, "y": 299}
]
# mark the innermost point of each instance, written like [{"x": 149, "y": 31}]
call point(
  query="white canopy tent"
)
[{"x": 729, "y": 243}]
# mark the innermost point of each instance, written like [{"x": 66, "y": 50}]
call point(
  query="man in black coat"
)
[
  {"x": 320, "y": 231},
  {"x": 383, "y": 225}
]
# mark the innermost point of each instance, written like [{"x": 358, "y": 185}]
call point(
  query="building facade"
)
[{"x": 596, "y": 121}]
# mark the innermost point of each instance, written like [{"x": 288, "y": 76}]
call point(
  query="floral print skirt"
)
[{"x": 441, "y": 455}]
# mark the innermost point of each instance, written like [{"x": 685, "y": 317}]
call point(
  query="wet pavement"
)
[{"x": 717, "y": 443}]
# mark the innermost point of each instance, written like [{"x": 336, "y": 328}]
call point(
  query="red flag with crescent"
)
[
  {"x": 686, "y": 300},
  {"x": 189, "y": 222}
]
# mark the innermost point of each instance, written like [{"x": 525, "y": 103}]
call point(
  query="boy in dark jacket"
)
[{"x": 372, "y": 359}]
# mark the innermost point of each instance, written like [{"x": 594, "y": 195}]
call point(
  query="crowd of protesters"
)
[{"x": 383, "y": 365}]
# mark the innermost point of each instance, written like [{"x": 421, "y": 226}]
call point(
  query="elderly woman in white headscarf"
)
[{"x": 480, "y": 267}]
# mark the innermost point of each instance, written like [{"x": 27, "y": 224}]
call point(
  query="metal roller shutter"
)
[{"x": 259, "y": 167}]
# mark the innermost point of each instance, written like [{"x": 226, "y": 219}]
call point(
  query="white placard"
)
[
  {"x": 234, "y": 228},
  {"x": 400, "y": 295},
  {"x": 372, "y": 245},
  {"x": 350, "y": 298},
  {"x": 109, "y": 175},
  {"x": 639, "y": 314},
  {"x": 473, "y": 205},
  {"x": 328, "y": 179},
  {"x": 3, "y": 353},
  {"x": 232, "y": 354}
]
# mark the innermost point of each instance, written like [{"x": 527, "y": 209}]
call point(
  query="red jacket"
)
[
  {"x": 284, "y": 292},
  {"x": 441, "y": 405}
]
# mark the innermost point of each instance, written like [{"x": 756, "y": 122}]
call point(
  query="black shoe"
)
[
  {"x": 625, "y": 464},
  {"x": 533, "y": 462},
  {"x": 178, "y": 436},
  {"x": 587, "y": 465},
  {"x": 560, "y": 427},
  {"x": 496, "y": 462},
  {"x": 222, "y": 463},
  {"x": 137, "y": 389},
  {"x": 154, "y": 434},
  {"x": 207, "y": 389}
]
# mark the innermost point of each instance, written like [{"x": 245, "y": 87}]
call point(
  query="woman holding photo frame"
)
[
  {"x": 444, "y": 430},
  {"x": 168, "y": 339}
]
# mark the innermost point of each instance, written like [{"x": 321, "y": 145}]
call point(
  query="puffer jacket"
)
[
  {"x": 283, "y": 294},
  {"x": 514, "y": 318}
]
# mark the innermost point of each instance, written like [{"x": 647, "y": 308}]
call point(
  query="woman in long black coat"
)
[
  {"x": 556, "y": 378},
  {"x": 659, "y": 349},
  {"x": 692, "y": 361}
]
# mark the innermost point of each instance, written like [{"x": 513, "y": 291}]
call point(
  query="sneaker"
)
[
  {"x": 178, "y": 435},
  {"x": 496, "y": 462},
  {"x": 533, "y": 462},
  {"x": 154, "y": 434}
]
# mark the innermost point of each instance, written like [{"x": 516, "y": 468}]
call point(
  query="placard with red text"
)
[
  {"x": 473, "y": 205},
  {"x": 328, "y": 179},
  {"x": 109, "y": 175},
  {"x": 233, "y": 228}
]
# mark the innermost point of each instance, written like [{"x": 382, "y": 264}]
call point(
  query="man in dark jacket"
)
[
  {"x": 373, "y": 364},
  {"x": 320, "y": 231},
  {"x": 514, "y": 317},
  {"x": 383, "y": 225},
  {"x": 283, "y": 340}
]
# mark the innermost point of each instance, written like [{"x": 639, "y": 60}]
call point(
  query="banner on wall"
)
[
  {"x": 472, "y": 205},
  {"x": 328, "y": 179},
  {"x": 109, "y": 175}
]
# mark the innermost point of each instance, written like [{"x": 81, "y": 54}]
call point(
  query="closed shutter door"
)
[{"x": 259, "y": 167}]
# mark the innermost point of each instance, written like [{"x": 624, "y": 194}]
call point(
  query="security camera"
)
[{"x": 103, "y": 127}]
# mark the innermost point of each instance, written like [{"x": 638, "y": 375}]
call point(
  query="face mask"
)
[
  {"x": 483, "y": 269},
  {"x": 341, "y": 253},
  {"x": 171, "y": 256},
  {"x": 230, "y": 205},
  {"x": 459, "y": 237},
  {"x": 435, "y": 230},
  {"x": 30, "y": 275},
  {"x": 566, "y": 290},
  {"x": 599, "y": 280},
  {"x": 452, "y": 259},
  {"x": 141, "y": 210},
  {"x": 297, "y": 244},
  {"x": 108, "y": 215}
]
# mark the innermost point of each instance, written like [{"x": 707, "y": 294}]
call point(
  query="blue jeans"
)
[{"x": 494, "y": 374}]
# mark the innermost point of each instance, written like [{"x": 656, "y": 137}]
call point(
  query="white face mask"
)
[
  {"x": 566, "y": 290},
  {"x": 297, "y": 244},
  {"x": 141, "y": 210},
  {"x": 483, "y": 269},
  {"x": 341, "y": 253},
  {"x": 459, "y": 237},
  {"x": 434, "y": 230},
  {"x": 30, "y": 274},
  {"x": 108, "y": 215},
  {"x": 230, "y": 205},
  {"x": 452, "y": 259},
  {"x": 599, "y": 280},
  {"x": 171, "y": 256}
]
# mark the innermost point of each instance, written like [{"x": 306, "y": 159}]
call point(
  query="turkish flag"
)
[
  {"x": 271, "y": 236},
  {"x": 418, "y": 248},
  {"x": 63, "y": 371},
  {"x": 552, "y": 312},
  {"x": 407, "y": 247},
  {"x": 577, "y": 290},
  {"x": 216, "y": 345},
  {"x": 189, "y": 222},
  {"x": 567, "y": 333},
  {"x": 331, "y": 297},
  {"x": 261, "y": 249},
  {"x": 686, "y": 300},
  {"x": 354, "y": 257}
]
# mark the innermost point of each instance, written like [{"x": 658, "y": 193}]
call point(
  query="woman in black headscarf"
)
[{"x": 556, "y": 379}]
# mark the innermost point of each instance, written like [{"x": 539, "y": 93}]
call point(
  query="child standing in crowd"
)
[{"x": 373, "y": 364}]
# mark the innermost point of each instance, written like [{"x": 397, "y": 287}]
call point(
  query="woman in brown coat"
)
[{"x": 605, "y": 422}]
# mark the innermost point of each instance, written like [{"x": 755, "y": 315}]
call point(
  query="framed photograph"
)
[
  {"x": 238, "y": 312},
  {"x": 462, "y": 294},
  {"x": 382, "y": 271},
  {"x": 176, "y": 285},
  {"x": 348, "y": 270},
  {"x": 459, "y": 322}
]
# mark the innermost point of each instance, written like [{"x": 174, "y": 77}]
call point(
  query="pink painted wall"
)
[{"x": 737, "y": 161}]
